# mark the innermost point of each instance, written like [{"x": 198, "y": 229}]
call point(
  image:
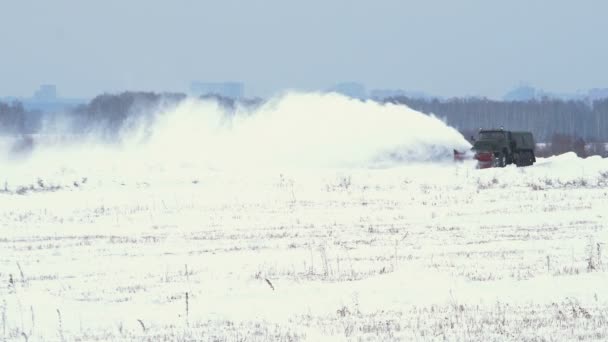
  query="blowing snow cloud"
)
[{"x": 293, "y": 130}]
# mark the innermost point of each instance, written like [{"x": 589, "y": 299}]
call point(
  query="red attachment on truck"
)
[
  {"x": 484, "y": 156},
  {"x": 484, "y": 159}
]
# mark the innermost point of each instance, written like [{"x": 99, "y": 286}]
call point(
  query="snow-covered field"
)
[{"x": 121, "y": 249}]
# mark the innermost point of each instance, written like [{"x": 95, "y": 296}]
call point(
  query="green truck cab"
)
[{"x": 499, "y": 148}]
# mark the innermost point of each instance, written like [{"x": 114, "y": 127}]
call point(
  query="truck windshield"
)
[
  {"x": 491, "y": 135},
  {"x": 484, "y": 145}
]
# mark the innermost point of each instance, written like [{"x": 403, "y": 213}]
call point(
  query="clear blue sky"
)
[{"x": 447, "y": 48}]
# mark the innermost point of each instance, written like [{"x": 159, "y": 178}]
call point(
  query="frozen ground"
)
[
  {"x": 355, "y": 236},
  {"x": 424, "y": 252}
]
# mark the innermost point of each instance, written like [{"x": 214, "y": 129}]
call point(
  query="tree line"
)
[
  {"x": 544, "y": 118},
  {"x": 105, "y": 115},
  {"x": 563, "y": 123},
  {"x": 15, "y": 118}
]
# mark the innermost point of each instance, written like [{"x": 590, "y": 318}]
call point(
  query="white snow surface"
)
[{"x": 274, "y": 238}]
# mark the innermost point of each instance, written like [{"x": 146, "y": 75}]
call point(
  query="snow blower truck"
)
[{"x": 499, "y": 148}]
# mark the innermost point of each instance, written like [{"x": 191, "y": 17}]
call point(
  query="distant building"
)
[
  {"x": 527, "y": 93},
  {"x": 381, "y": 94},
  {"x": 522, "y": 93},
  {"x": 46, "y": 93},
  {"x": 46, "y": 100},
  {"x": 598, "y": 94},
  {"x": 233, "y": 90},
  {"x": 350, "y": 89}
]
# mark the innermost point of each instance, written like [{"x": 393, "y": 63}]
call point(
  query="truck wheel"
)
[
  {"x": 501, "y": 160},
  {"x": 508, "y": 158},
  {"x": 528, "y": 158},
  {"x": 517, "y": 159},
  {"x": 525, "y": 159}
]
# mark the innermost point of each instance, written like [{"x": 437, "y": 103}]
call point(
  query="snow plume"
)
[{"x": 293, "y": 130}]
